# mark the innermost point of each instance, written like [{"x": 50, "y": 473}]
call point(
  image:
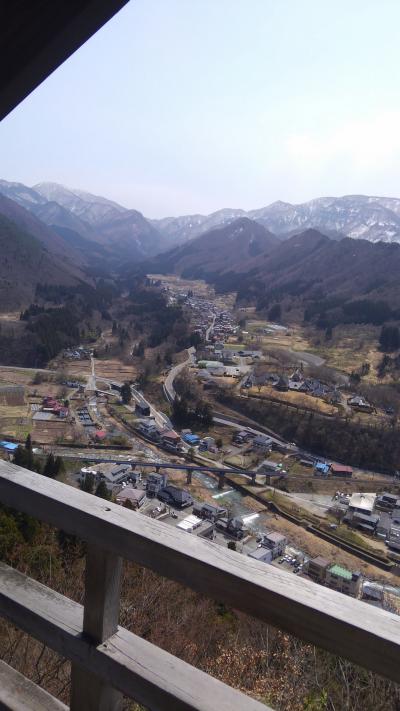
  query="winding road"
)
[{"x": 169, "y": 389}]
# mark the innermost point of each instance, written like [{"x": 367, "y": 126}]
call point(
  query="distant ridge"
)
[{"x": 125, "y": 234}]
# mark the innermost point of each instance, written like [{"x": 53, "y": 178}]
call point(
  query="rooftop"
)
[
  {"x": 260, "y": 553},
  {"x": 341, "y": 572},
  {"x": 319, "y": 560},
  {"x": 341, "y": 468},
  {"x": 275, "y": 537},
  {"x": 362, "y": 501}
]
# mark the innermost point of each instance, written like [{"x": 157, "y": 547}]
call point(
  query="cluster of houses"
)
[
  {"x": 50, "y": 407},
  {"x": 129, "y": 490},
  {"x": 334, "y": 576},
  {"x": 215, "y": 368},
  {"x": 170, "y": 440},
  {"x": 377, "y": 515},
  {"x": 360, "y": 404},
  {"x": 113, "y": 475},
  {"x": 224, "y": 326},
  {"x": 78, "y": 353},
  {"x": 295, "y": 382},
  {"x": 272, "y": 546},
  {"x": 202, "y": 312},
  {"x": 162, "y": 436}
]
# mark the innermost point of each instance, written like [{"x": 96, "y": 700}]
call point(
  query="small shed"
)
[{"x": 341, "y": 470}]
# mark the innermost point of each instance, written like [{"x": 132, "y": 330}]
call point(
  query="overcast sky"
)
[{"x": 184, "y": 106}]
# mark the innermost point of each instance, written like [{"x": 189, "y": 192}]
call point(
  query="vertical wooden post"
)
[{"x": 100, "y": 621}]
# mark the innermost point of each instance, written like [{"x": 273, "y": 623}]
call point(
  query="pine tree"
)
[
  {"x": 58, "y": 466},
  {"x": 49, "y": 468},
  {"x": 102, "y": 491},
  {"x": 87, "y": 484},
  {"x": 126, "y": 393}
]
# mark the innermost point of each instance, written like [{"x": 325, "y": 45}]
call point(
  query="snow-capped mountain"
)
[
  {"x": 88, "y": 221},
  {"x": 96, "y": 219},
  {"x": 91, "y": 208},
  {"x": 357, "y": 216}
]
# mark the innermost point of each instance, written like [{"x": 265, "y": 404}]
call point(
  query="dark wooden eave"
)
[{"x": 36, "y": 36}]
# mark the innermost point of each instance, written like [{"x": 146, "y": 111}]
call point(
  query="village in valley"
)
[{"x": 223, "y": 476}]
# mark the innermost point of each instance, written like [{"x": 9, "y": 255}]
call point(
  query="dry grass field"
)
[
  {"x": 52, "y": 431},
  {"x": 294, "y": 398}
]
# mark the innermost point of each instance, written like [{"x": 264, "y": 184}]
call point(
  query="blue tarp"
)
[
  {"x": 322, "y": 467},
  {"x": 191, "y": 438},
  {"x": 10, "y": 446}
]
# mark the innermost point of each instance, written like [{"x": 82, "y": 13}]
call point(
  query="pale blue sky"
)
[{"x": 182, "y": 106}]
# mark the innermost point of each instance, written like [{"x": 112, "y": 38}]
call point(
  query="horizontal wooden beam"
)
[
  {"x": 138, "y": 669},
  {"x": 365, "y": 635},
  {"x": 17, "y": 693}
]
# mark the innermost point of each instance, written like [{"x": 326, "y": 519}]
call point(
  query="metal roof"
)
[{"x": 341, "y": 572}]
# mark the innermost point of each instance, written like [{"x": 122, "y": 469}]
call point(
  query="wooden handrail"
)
[
  {"x": 142, "y": 671},
  {"x": 365, "y": 635}
]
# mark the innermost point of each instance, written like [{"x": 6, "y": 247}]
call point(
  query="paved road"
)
[
  {"x": 211, "y": 326},
  {"x": 306, "y": 358},
  {"x": 160, "y": 419},
  {"x": 315, "y": 503},
  {"x": 34, "y": 370},
  {"x": 169, "y": 389},
  {"x": 91, "y": 381}
]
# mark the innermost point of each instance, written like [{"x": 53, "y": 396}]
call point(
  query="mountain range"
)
[
  {"x": 67, "y": 236},
  {"x": 218, "y": 250},
  {"x": 99, "y": 227},
  {"x": 341, "y": 279},
  {"x": 358, "y": 216}
]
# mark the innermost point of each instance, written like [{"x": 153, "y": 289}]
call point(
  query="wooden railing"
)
[{"x": 108, "y": 661}]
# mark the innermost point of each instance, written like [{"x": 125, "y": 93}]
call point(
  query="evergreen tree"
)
[
  {"x": 87, "y": 484},
  {"x": 126, "y": 393},
  {"x": 275, "y": 312},
  {"x": 58, "y": 466},
  {"x": 24, "y": 458},
  {"x": 390, "y": 338},
  {"x": 49, "y": 468},
  {"x": 28, "y": 443},
  {"x": 102, "y": 491}
]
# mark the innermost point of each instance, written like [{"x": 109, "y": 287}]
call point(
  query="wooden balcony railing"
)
[{"x": 108, "y": 661}]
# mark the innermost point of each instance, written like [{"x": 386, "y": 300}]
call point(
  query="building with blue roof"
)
[
  {"x": 191, "y": 439},
  {"x": 322, "y": 468}
]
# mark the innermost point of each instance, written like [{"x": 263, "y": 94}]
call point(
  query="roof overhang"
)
[{"x": 36, "y": 37}]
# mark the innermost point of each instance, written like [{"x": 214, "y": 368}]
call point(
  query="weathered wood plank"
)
[
  {"x": 17, "y": 693},
  {"x": 102, "y": 593},
  {"x": 140, "y": 670},
  {"x": 365, "y": 635},
  {"x": 100, "y": 621}
]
